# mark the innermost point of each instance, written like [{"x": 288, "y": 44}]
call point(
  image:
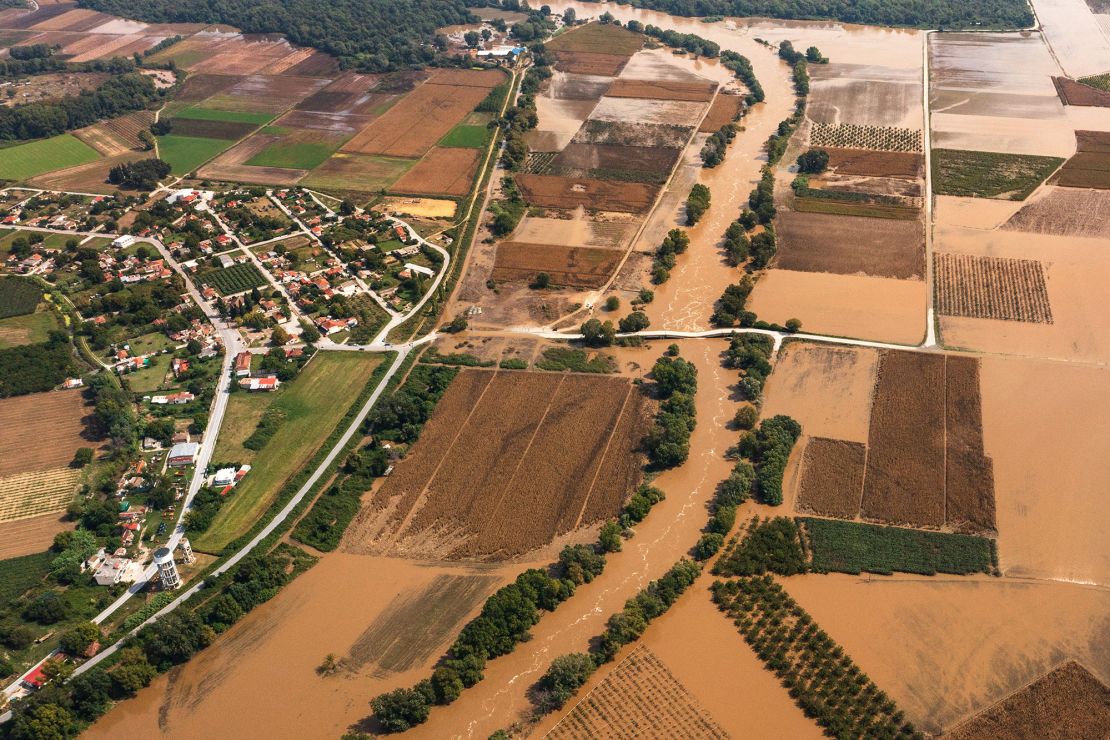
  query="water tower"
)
[
  {"x": 167, "y": 570},
  {"x": 187, "y": 555}
]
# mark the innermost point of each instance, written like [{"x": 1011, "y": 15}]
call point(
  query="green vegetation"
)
[
  {"x": 312, "y": 404},
  {"x": 114, "y": 97},
  {"x": 234, "y": 279},
  {"x": 456, "y": 359},
  {"x": 300, "y": 155},
  {"x": 215, "y": 114},
  {"x": 363, "y": 173},
  {"x": 943, "y": 14},
  {"x": 751, "y": 355},
  {"x": 1098, "y": 82},
  {"x": 18, "y": 296},
  {"x": 768, "y": 546},
  {"x": 697, "y": 203},
  {"x": 32, "y": 328},
  {"x": 667, "y": 443},
  {"x": 716, "y": 146},
  {"x": 463, "y": 135},
  {"x": 186, "y": 153},
  {"x": 19, "y": 574},
  {"x": 674, "y": 243},
  {"x": 141, "y": 175},
  {"x": 36, "y": 157},
  {"x": 558, "y": 359},
  {"x": 851, "y": 547},
  {"x": 828, "y": 201},
  {"x": 768, "y": 449},
  {"x": 989, "y": 174},
  {"x": 821, "y": 678},
  {"x": 513, "y": 363},
  {"x": 33, "y": 368},
  {"x": 400, "y": 417}
]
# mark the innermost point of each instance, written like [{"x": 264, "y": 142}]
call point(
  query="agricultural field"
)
[
  {"x": 989, "y": 174},
  {"x": 991, "y": 288},
  {"x": 831, "y": 480},
  {"x": 875, "y": 164},
  {"x": 576, "y": 267},
  {"x": 31, "y": 328},
  {"x": 18, "y": 574},
  {"x": 313, "y": 404},
  {"x": 1089, "y": 167},
  {"x": 60, "y": 421},
  {"x": 1082, "y": 92},
  {"x": 639, "y": 697},
  {"x": 1068, "y": 702},
  {"x": 442, "y": 171},
  {"x": 466, "y": 135},
  {"x": 853, "y": 547},
  {"x": 850, "y": 245},
  {"x": 551, "y": 191},
  {"x": 724, "y": 110},
  {"x": 366, "y": 173},
  {"x": 865, "y": 94},
  {"x": 18, "y": 297},
  {"x": 118, "y": 135},
  {"x": 32, "y": 535},
  {"x": 289, "y": 154},
  {"x": 594, "y": 49},
  {"x": 469, "y": 489},
  {"x": 857, "y": 136},
  {"x": 45, "y": 155},
  {"x": 186, "y": 153},
  {"x": 234, "y": 279}
]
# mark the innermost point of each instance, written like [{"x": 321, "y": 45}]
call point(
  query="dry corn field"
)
[
  {"x": 29, "y": 494},
  {"x": 992, "y": 288},
  {"x": 641, "y": 698},
  {"x": 855, "y": 136}
]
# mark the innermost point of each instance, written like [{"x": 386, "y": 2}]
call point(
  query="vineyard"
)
[
  {"x": 17, "y": 575},
  {"x": 853, "y": 547},
  {"x": 828, "y": 686},
  {"x": 640, "y": 698},
  {"x": 234, "y": 279},
  {"x": 855, "y": 136},
  {"x": 992, "y": 288},
  {"x": 18, "y": 297},
  {"x": 40, "y": 492}
]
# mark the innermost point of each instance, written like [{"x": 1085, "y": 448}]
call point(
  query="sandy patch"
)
[
  {"x": 673, "y": 112},
  {"x": 422, "y": 207},
  {"x": 1076, "y": 38},
  {"x": 559, "y": 121},
  {"x": 882, "y": 309},
  {"x": 973, "y": 213},
  {"x": 576, "y": 232}
]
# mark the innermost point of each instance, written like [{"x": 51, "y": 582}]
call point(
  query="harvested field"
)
[
  {"x": 904, "y": 481},
  {"x": 31, "y": 535},
  {"x": 331, "y": 124},
  {"x": 831, "y": 478},
  {"x": 725, "y": 109},
  {"x": 26, "y": 495},
  {"x": 418, "y": 121},
  {"x": 1085, "y": 170},
  {"x": 989, "y": 174},
  {"x": 86, "y": 178},
  {"x": 968, "y": 472},
  {"x": 422, "y": 207},
  {"x": 614, "y": 162},
  {"x": 551, "y": 191},
  {"x": 483, "y": 78},
  {"x": 357, "y": 173},
  {"x": 623, "y": 133},
  {"x": 1076, "y": 93},
  {"x": 567, "y": 86},
  {"x": 872, "y": 163},
  {"x": 496, "y": 474},
  {"x": 850, "y": 245},
  {"x": 588, "y": 63},
  {"x": 58, "y": 421},
  {"x": 577, "y": 232},
  {"x": 442, "y": 171},
  {"x": 991, "y": 288},
  {"x": 578, "y": 267},
  {"x": 700, "y": 92},
  {"x": 1067, "y": 704},
  {"x": 669, "y": 112},
  {"x": 118, "y": 135},
  {"x": 265, "y": 93},
  {"x": 1065, "y": 212},
  {"x": 879, "y": 138},
  {"x": 227, "y": 130},
  {"x": 198, "y": 87},
  {"x": 598, "y": 38},
  {"x": 639, "y": 698}
]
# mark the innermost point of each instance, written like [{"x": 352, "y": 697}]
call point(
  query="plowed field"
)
[
  {"x": 508, "y": 462},
  {"x": 725, "y": 109},
  {"x": 580, "y": 267},
  {"x": 850, "y": 245},
  {"x": 832, "y": 477},
  {"x": 701, "y": 92},
  {"x": 1089, "y": 167},
  {"x": 551, "y": 191},
  {"x": 969, "y": 473},
  {"x": 442, "y": 171},
  {"x": 613, "y": 162},
  {"x": 43, "y": 430},
  {"x": 872, "y": 163},
  {"x": 589, "y": 63},
  {"x": 1076, "y": 93},
  {"x": 640, "y": 698},
  {"x": 991, "y": 288}
]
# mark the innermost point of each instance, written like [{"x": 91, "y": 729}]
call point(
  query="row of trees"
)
[
  {"x": 768, "y": 448},
  {"x": 116, "y": 96},
  {"x": 716, "y": 146},
  {"x": 667, "y": 444},
  {"x": 674, "y": 243},
  {"x": 141, "y": 175}
]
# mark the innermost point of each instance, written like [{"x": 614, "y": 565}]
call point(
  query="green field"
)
[
  {"x": 215, "y": 114},
  {"x": 313, "y": 403},
  {"x": 989, "y": 174},
  {"x": 234, "y": 279},
  {"x": 19, "y": 574},
  {"x": 301, "y": 155},
  {"x": 32, "y": 328},
  {"x": 153, "y": 342},
  {"x": 472, "y": 137},
  {"x": 18, "y": 296},
  {"x": 150, "y": 378},
  {"x": 364, "y": 173},
  {"x": 851, "y": 547},
  {"x": 45, "y": 155},
  {"x": 186, "y": 153}
]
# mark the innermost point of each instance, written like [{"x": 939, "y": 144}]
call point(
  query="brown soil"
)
[
  {"x": 566, "y": 86},
  {"x": 442, "y": 171},
  {"x": 701, "y": 92},
  {"x": 31, "y": 535},
  {"x": 484, "y": 78},
  {"x": 418, "y": 121},
  {"x": 611, "y": 161},
  {"x": 567, "y": 192},
  {"x": 589, "y": 63},
  {"x": 905, "y": 463},
  {"x": 337, "y": 124},
  {"x": 45, "y": 428},
  {"x": 1076, "y": 93},
  {"x": 316, "y": 65},
  {"x": 44, "y": 12},
  {"x": 231, "y": 130},
  {"x": 991, "y": 288},
  {"x": 646, "y": 111},
  {"x": 118, "y": 135},
  {"x": 831, "y": 478},
  {"x": 497, "y": 474},
  {"x": 1085, "y": 170},
  {"x": 847, "y": 245},
  {"x": 266, "y": 93},
  {"x": 1065, "y": 212},
  {"x": 867, "y": 162},
  {"x": 725, "y": 109},
  {"x": 639, "y": 698},
  {"x": 968, "y": 472},
  {"x": 598, "y": 38},
  {"x": 624, "y": 133},
  {"x": 584, "y": 267},
  {"x": 1067, "y": 704},
  {"x": 200, "y": 87}
]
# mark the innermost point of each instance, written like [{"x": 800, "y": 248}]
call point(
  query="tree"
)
[
  {"x": 569, "y": 16},
  {"x": 48, "y": 608},
  {"x": 697, "y": 203},
  {"x": 83, "y": 456},
  {"x": 708, "y": 545},
  {"x": 77, "y": 640},
  {"x": 400, "y": 709},
  {"x": 634, "y": 322},
  {"x": 309, "y": 333},
  {"x": 793, "y": 324},
  {"x": 674, "y": 375},
  {"x": 612, "y": 303},
  {"x": 472, "y": 38},
  {"x": 141, "y": 175},
  {"x": 146, "y": 139},
  {"x": 746, "y": 417},
  {"x": 813, "y": 54},
  {"x": 566, "y": 674},
  {"x": 813, "y": 162},
  {"x": 279, "y": 337},
  {"x": 542, "y": 281},
  {"x": 131, "y": 672},
  {"x": 447, "y": 685},
  {"x": 598, "y": 334},
  {"x": 44, "y": 721}
]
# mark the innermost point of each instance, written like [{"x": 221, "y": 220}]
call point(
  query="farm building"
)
[
  {"x": 183, "y": 454},
  {"x": 243, "y": 364},
  {"x": 265, "y": 383},
  {"x": 123, "y": 241}
]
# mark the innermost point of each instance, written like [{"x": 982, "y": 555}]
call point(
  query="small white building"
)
[
  {"x": 123, "y": 241},
  {"x": 114, "y": 570},
  {"x": 224, "y": 477},
  {"x": 182, "y": 454},
  {"x": 419, "y": 268},
  {"x": 167, "y": 569}
]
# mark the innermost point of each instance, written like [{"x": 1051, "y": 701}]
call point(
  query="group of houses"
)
[{"x": 249, "y": 382}]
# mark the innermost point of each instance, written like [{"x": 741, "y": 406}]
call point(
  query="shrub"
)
[
  {"x": 566, "y": 674},
  {"x": 697, "y": 203},
  {"x": 813, "y": 162}
]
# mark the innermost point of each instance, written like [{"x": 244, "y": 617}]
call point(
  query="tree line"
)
[{"x": 116, "y": 96}]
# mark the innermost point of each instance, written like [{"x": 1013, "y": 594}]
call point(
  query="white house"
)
[{"x": 123, "y": 241}]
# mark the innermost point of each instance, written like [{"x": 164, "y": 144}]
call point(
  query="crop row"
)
[
  {"x": 855, "y": 136},
  {"x": 234, "y": 279}
]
